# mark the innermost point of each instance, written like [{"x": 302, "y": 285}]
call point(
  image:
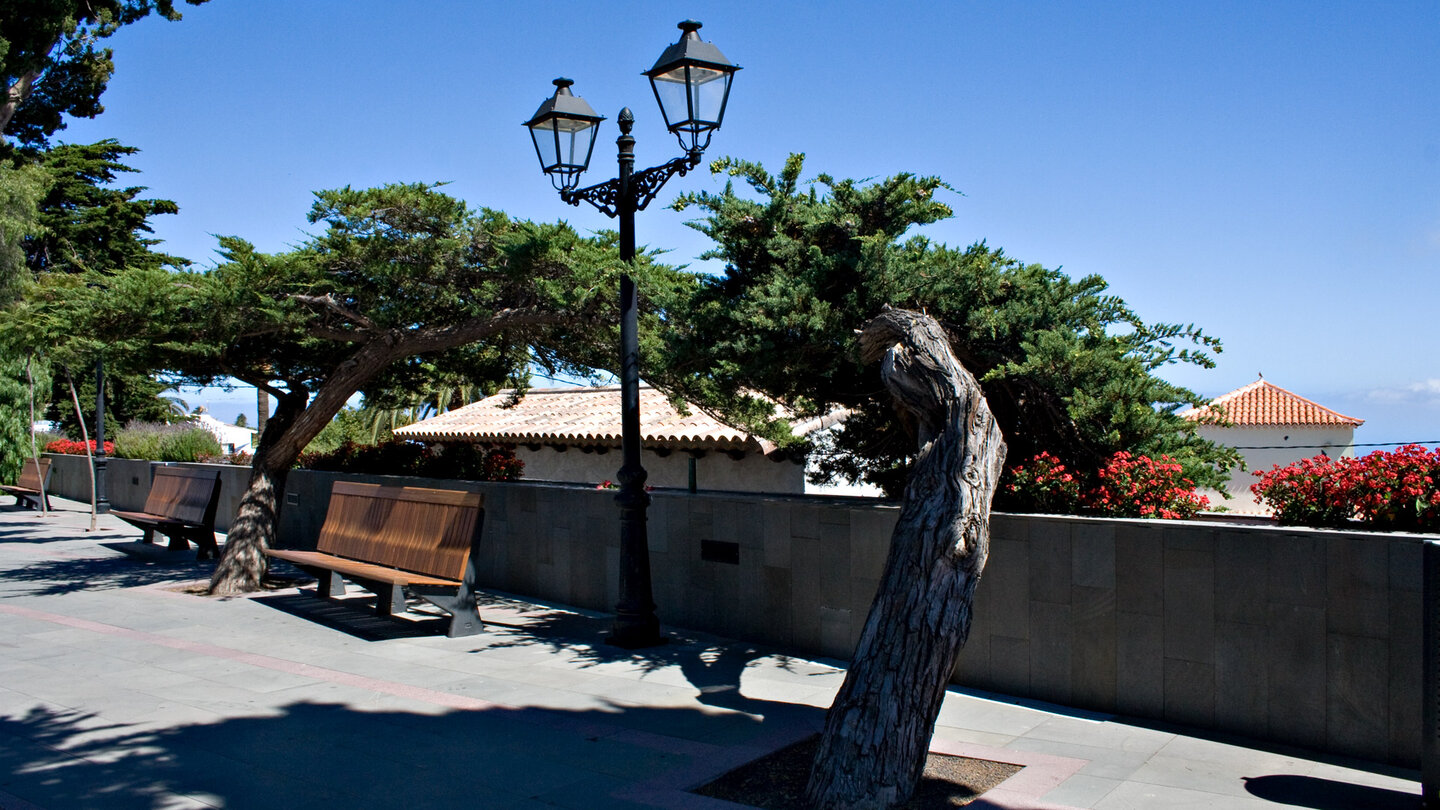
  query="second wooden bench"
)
[
  {"x": 389, "y": 539},
  {"x": 181, "y": 505},
  {"x": 33, "y": 484}
]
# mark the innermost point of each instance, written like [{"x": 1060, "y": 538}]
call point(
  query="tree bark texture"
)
[
  {"x": 243, "y": 563},
  {"x": 877, "y": 732}
]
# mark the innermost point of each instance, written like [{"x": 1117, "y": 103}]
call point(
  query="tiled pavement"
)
[{"x": 119, "y": 689}]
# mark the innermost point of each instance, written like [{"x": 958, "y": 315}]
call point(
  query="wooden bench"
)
[
  {"x": 388, "y": 539},
  {"x": 34, "y": 484},
  {"x": 181, "y": 506}
]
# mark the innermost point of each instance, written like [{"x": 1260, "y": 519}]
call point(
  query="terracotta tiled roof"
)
[
  {"x": 1263, "y": 403},
  {"x": 587, "y": 416}
]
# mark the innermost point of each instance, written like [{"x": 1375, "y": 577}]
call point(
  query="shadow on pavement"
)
[
  {"x": 62, "y": 575},
  {"x": 314, "y": 755},
  {"x": 1327, "y": 794}
]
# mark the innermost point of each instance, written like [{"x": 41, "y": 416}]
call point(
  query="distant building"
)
[
  {"x": 232, "y": 438},
  {"x": 1269, "y": 426},
  {"x": 573, "y": 435}
]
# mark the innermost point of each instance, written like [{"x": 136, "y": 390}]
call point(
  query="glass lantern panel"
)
[
  {"x": 563, "y": 142},
  {"x": 710, "y": 87},
  {"x": 670, "y": 91}
]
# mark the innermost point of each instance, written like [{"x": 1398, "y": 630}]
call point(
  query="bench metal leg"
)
[
  {"x": 464, "y": 614},
  {"x": 147, "y": 535},
  {"x": 205, "y": 542},
  {"x": 389, "y": 599},
  {"x": 329, "y": 584}
]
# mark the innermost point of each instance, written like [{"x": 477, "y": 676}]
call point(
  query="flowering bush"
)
[
  {"x": 1384, "y": 490},
  {"x": 71, "y": 447},
  {"x": 456, "y": 460},
  {"x": 1044, "y": 485},
  {"x": 1127, "y": 486},
  {"x": 1139, "y": 486}
]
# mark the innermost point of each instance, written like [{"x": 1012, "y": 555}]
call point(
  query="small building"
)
[
  {"x": 1269, "y": 426},
  {"x": 573, "y": 435},
  {"x": 233, "y": 438}
]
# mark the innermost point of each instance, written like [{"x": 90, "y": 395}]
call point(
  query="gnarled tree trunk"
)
[
  {"x": 243, "y": 563},
  {"x": 878, "y": 730}
]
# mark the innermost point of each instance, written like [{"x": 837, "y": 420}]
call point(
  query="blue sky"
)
[{"x": 1268, "y": 171}]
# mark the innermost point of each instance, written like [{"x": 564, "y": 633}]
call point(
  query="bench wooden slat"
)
[
  {"x": 359, "y": 568},
  {"x": 181, "y": 493},
  {"x": 181, "y": 505},
  {"x": 422, "y": 530},
  {"x": 389, "y": 538},
  {"x": 34, "y": 480}
]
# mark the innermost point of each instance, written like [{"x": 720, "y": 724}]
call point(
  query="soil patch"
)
[
  {"x": 776, "y": 781},
  {"x": 268, "y": 583}
]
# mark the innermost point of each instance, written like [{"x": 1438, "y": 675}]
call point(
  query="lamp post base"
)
[{"x": 635, "y": 632}]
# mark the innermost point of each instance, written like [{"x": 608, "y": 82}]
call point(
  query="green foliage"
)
[
  {"x": 450, "y": 460},
  {"x": 21, "y": 189},
  {"x": 129, "y": 398},
  {"x": 351, "y": 426},
  {"x": 86, "y": 222},
  {"x": 14, "y": 419},
  {"x": 166, "y": 442},
  {"x": 1065, "y": 367},
  {"x": 52, "y": 63}
]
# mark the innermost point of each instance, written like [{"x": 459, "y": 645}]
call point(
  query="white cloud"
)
[{"x": 1424, "y": 392}]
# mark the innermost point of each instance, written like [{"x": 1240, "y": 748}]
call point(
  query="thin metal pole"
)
[
  {"x": 102, "y": 503},
  {"x": 636, "y": 624}
]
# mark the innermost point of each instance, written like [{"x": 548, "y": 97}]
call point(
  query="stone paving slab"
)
[{"x": 118, "y": 689}]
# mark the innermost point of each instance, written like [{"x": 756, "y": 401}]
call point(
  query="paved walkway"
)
[{"x": 119, "y": 689}]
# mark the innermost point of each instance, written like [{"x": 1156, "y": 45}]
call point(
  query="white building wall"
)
[
  {"x": 1281, "y": 446},
  {"x": 715, "y": 471}
]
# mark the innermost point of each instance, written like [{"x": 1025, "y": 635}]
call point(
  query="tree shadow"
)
[
  {"x": 60, "y": 575},
  {"x": 713, "y": 665},
  {"x": 1327, "y": 794},
  {"x": 313, "y": 755}
]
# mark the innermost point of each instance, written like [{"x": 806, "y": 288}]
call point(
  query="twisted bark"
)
[{"x": 877, "y": 732}]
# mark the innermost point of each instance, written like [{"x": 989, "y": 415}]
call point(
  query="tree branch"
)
[{"x": 331, "y": 303}]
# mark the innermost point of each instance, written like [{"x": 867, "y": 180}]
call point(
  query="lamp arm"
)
[{"x": 644, "y": 185}]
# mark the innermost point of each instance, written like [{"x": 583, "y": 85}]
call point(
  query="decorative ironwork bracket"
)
[{"x": 643, "y": 186}]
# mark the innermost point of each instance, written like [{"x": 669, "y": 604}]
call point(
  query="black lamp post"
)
[{"x": 691, "y": 80}]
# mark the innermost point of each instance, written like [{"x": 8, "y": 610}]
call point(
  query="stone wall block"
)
[
  {"x": 1050, "y": 562},
  {"x": 1051, "y": 650},
  {"x": 1242, "y": 669},
  {"x": 1140, "y": 664},
  {"x": 1296, "y": 676},
  {"x": 1189, "y": 605},
  {"x": 1093, "y": 664},
  {"x": 775, "y": 517},
  {"x": 1140, "y": 569},
  {"x": 1357, "y": 706},
  {"x": 1092, "y": 555},
  {"x": 1241, "y": 578}
]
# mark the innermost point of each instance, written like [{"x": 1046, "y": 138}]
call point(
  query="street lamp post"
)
[{"x": 691, "y": 81}]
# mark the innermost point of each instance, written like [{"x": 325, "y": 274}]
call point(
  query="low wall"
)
[
  {"x": 1300, "y": 636},
  {"x": 127, "y": 483}
]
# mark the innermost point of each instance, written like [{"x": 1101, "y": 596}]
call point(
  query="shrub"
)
[
  {"x": 1044, "y": 485},
  {"x": 72, "y": 447},
  {"x": 160, "y": 442},
  {"x": 1139, "y": 486},
  {"x": 452, "y": 460},
  {"x": 1394, "y": 490},
  {"x": 1127, "y": 486}
]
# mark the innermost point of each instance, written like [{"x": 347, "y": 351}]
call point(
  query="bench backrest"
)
[
  {"x": 31, "y": 477},
  {"x": 425, "y": 531},
  {"x": 184, "y": 493}
]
